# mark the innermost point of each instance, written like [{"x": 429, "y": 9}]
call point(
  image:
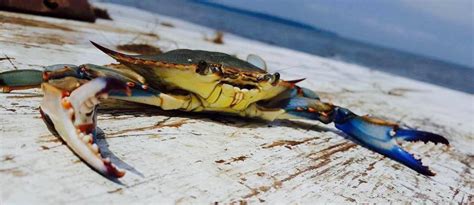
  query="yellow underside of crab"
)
[
  {"x": 209, "y": 94},
  {"x": 214, "y": 94}
]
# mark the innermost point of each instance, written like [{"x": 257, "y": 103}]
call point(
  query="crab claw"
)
[
  {"x": 73, "y": 118},
  {"x": 383, "y": 137}
]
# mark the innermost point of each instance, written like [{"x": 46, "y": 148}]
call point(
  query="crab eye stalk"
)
[
  {"x": 202, "y": 68},
  {"x": 267, "y": 77}
]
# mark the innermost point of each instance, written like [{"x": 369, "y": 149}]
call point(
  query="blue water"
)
[{"x": 306, "y": 38}]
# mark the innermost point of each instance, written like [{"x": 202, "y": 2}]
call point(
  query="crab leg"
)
[
  {"x": 376, "y": 134},
  {"x": 73, "y": 118},
  {"x": 20, "y": 79},
  {"x": 26, "y": 79}
]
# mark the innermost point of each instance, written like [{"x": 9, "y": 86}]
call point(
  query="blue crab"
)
[{"x": 194, "y": 81}]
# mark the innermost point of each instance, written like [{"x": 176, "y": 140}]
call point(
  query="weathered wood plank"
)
[{"x": 174, "y": 157}]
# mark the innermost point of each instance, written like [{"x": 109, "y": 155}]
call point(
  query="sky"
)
[{"x": 443, "y": 29}]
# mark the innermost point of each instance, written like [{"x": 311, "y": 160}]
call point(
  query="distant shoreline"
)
[
  {"x": 267, "y": 17},
  {"x": 298, "y": 36}
]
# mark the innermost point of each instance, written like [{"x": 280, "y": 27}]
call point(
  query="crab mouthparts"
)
[{"x": 241, "y": 85}]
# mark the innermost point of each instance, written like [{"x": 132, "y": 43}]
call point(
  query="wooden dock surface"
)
[{"x": 182, "y": 158}]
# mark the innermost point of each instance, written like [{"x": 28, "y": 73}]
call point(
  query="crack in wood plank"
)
[
  {"x": 159, "y": 124},
  {"x": 288, "y": 143}
]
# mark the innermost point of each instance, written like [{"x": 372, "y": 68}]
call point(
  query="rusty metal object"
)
[{"x": 70, "y": 9}]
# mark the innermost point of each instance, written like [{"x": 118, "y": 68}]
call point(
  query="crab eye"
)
[
  {"x": 216, "y": 68},
  {"x": 202, "y": 68},
  {"x": 271, "y": 78},
  {"x": 276, "y": 77}
]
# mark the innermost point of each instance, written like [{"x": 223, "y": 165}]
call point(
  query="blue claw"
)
[
  {"x": 377, "y": 135},
  {"x": 381, "y": 137}
]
